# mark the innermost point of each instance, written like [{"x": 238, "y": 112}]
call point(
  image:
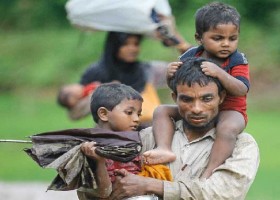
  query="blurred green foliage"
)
[
  {"x": 29, "y": 14},
  {"x": 39, "y": 47},
  {"x": 44, "y": 13},
  {"x": 40, "y": 51}
]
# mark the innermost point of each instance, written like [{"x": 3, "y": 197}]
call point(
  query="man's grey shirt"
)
[{"x": 231, "y": 180}]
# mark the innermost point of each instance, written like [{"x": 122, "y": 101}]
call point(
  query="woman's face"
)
[{"x": 130, "y": 50}]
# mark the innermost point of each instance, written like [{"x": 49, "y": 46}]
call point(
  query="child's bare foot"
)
[{"x": 159, "y": 156}]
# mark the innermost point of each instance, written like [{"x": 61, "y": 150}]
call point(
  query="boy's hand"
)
[
  {"x": 172, "y": 68},
  {"x": 88, "y": 148},
  {"x": 211, "y": 69}
]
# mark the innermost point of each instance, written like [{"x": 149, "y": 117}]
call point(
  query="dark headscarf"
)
[{"x": 111, "y": 68}]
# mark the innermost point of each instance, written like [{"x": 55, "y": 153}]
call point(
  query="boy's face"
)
[
  {"x": 221, "y": 41},
  {"x": 125, "y": 116}
]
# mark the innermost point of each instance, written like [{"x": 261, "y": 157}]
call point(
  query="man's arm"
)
[
  {"x": 231, "y": 180},
  {"x": 128, "y": 185}
]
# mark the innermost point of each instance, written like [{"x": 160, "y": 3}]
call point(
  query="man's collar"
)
[{"x": 210, "y": 133}]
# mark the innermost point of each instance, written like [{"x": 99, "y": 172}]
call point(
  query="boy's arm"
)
[
  {"x": 103, "y": 180},
  {"x": 101, "y": 174},
  {"x": 231, "y": 84}
]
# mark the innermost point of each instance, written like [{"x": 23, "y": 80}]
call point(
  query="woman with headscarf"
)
[{"x": 119, "y": 63}]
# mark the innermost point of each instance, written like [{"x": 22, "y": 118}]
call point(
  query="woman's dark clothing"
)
[{"x": 110, "y": 68}]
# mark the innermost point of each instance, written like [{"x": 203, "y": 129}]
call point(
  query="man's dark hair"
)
[
  {"x": 190, "y": 73},
  {"x": 210, "y": 15},
  {"x": 109, "y": 95}
]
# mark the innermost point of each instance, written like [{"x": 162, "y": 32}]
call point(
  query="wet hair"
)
[
  {"x": 109, "y": 95},
  {"x": 190, "y": 73},
  {"x": 212, "y": 14}
]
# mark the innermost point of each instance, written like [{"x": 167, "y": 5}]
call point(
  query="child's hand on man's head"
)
[
  {"x": 211, "y": 69},
  {"x": 172, "y": 68}
]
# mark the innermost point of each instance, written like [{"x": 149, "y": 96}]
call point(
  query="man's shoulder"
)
[
  {"x": 146, "y": 132},
  {"x": 245, "y": 139},
  {"x": 147, "y": 139},
  {"x": 244, "y": 136}
]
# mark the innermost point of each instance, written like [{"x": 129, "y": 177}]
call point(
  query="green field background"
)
[
  {"x": 35, "y": 113},
  {"x": 35, "y": 62}
]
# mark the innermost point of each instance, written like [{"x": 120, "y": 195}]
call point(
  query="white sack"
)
[{"x": 116, "y": 15}]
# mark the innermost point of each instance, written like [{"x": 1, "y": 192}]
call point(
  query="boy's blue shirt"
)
[{"x": 235, "y": 59}]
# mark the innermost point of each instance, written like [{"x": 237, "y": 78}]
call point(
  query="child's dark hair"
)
[
  {"x": 212, "y": 14},
  {"x": 190, "y": 73},
  {"x": 109, "y": 95}
]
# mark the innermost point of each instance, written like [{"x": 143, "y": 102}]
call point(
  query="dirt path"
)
[{"x": 33, "y": 191}]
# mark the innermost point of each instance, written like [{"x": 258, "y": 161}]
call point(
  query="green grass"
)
[
  {"x": 34, "y": 64},
  {"x": 264, "y": 126},
  {"x": 25, "y": 116},
  {"x": 54, "y": 57},
  {"x": 38, "y": 112}
]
